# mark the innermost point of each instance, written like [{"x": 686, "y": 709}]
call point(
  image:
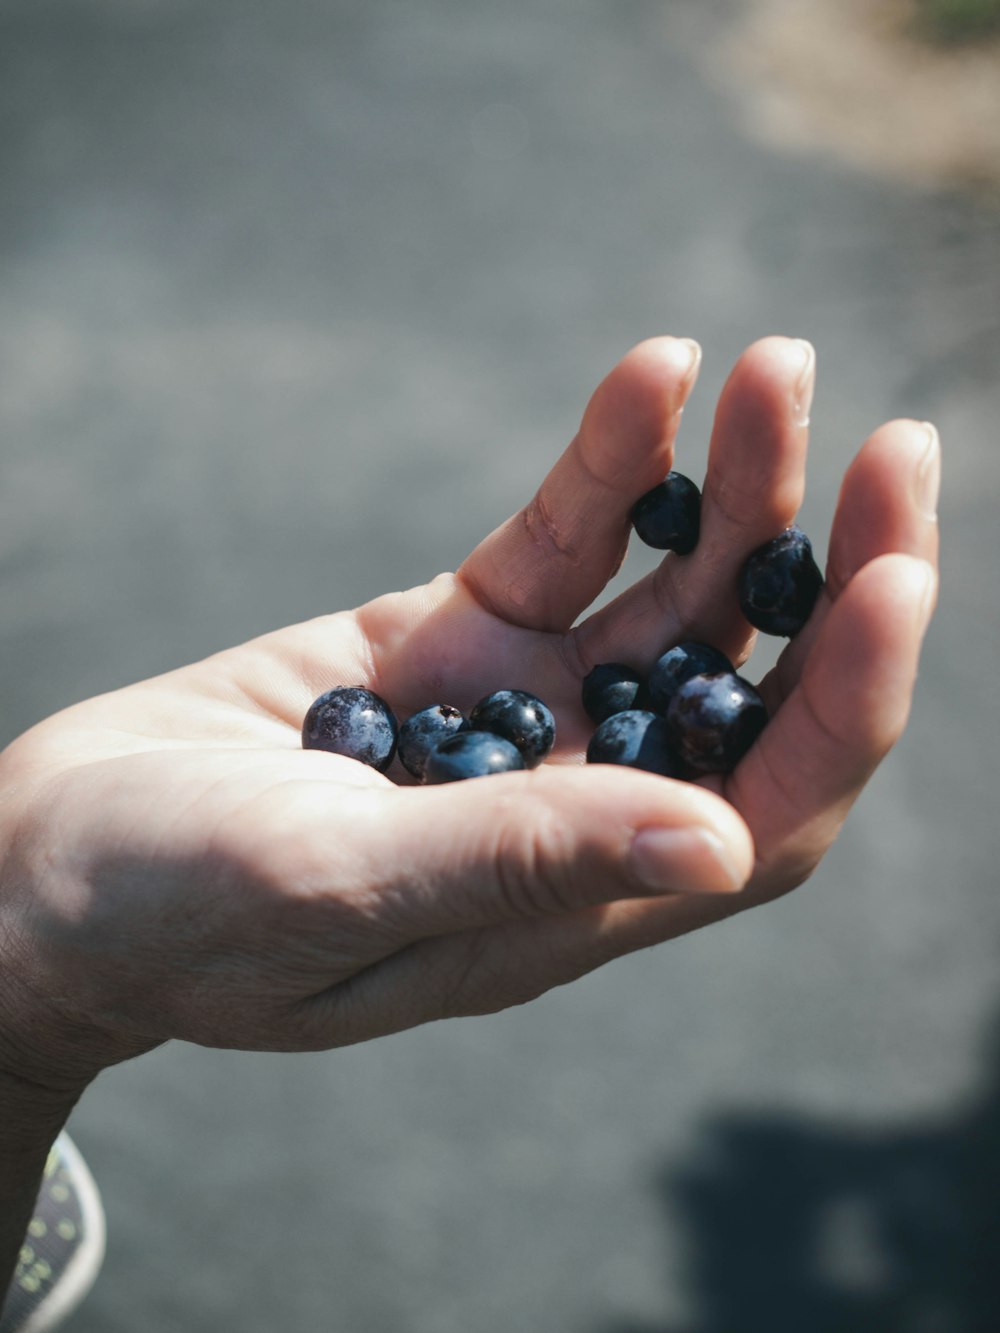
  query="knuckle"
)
[
  {"x": 533, "y": 865},
  {"x": 296, "y": 886}
]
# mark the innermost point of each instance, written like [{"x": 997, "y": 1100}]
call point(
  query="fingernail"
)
[
  {"x": 694, "y": 365},
  {"x": 806, "y": 384},
  {"x": 683, "y": 860},
  {"x": 928, "y": 594},
  {"x": 929, "y": 474},
  {"x": 690, "y": 352}
]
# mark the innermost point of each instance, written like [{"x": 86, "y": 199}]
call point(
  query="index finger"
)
[{"x": 544, "y": 566}]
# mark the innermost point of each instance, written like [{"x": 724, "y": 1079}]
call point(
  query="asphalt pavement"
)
[{"x": 297, "y": 302}]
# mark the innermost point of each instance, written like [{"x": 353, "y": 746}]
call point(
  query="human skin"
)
[{"x": 174, "y": 865}]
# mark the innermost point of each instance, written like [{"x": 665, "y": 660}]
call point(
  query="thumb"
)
[{"x": 549, "y": 842}]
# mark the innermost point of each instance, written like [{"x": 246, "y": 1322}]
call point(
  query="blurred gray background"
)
[{"x": 299, "y": 300}]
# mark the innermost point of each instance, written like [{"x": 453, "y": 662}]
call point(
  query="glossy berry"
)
[
  {"x": 352, "y": 721},
  {"x": 471, "y": 754},
  {"x": 780, "y": 583},
  {"x": 520, "y": 718},
  {"x": 669, "y": 516},
  {"x": 611, "y": 688},
  {"x": 679, "y": 664},
  {"x": 420, "y": 733},
  {"x": 714, "y": 719},
  {"x": 636, "y": 739}
]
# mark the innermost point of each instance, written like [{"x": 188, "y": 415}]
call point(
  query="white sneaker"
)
[{"x": 64, "y": 1247}]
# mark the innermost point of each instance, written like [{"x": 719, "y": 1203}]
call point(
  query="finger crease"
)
[
  {"x": 544, "y": 532},
  {"x": 666, "y": 592},
  {"x": 571, "y": 655},
  {"x": 480, "y": 596},
  {"x": 822, "y": 726},
  {"x": 790, "y": 792},
  {"x": 741, "y": 508}
]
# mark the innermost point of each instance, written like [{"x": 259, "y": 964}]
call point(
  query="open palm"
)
[{"x": 181, "y": 867}]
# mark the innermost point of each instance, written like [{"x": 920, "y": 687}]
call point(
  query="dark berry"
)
[
  {"x": 636, "y": 739},
  {"x": 354, "y": 722},
  {"x": 611, "y": 688},
  {"x": 780, "y": 583},
  {"x": 669, "y": 516},
  {"x": 471, "y": 754},
  {"x": 714, "y": 719},
  {"x": 420, "y": 733},
  {"x": 679, "y": 664},
  {"x": 520, "y": 718}
]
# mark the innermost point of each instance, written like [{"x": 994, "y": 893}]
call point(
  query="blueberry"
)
[
  {"x": 354, "y": 722},
  {"x": 471, "y": 754},
  {"x": 780, "y": 583},
  {"x": 611, "y": 688},
  {"x": 714, "y": 719},
  {"x": 636, "y": 739},
  {"x": 420, "y": 733},
  {"x": 520, "y": 718},
  {"x": 679, "y": 664},
  {"x": 669, "y": 516}
]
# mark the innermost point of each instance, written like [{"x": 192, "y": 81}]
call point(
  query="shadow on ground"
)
[{"x": 792, "y": 1225}]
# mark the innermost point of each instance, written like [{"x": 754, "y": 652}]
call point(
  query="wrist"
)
[
  {"x": 38, "y": 1086},
  {"x": 31, "y": 1116},
  {"x": 46, "y": 1059},
  {"x": 49, "y": 1052}
]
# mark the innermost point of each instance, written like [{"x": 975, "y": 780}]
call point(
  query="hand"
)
[{"x": 177, "y": 865}]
